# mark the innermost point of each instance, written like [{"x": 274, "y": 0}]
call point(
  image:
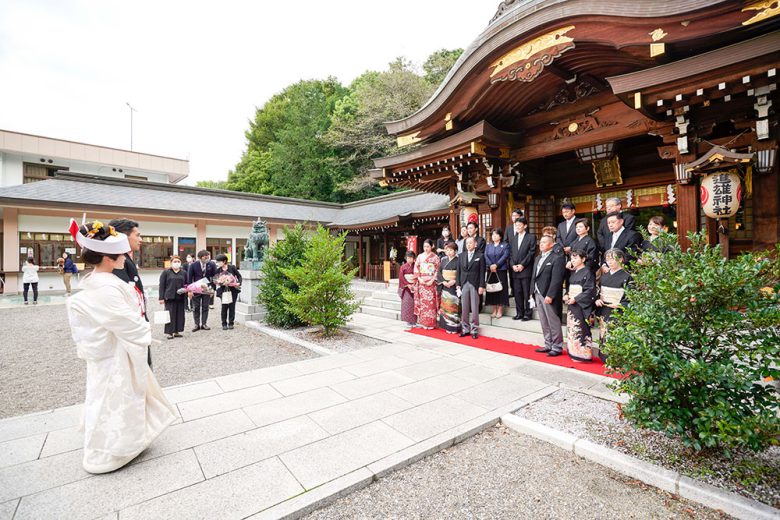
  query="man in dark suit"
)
[
  {"x": 129, "y": 273},
  {"x": 567, "y": 233},
  {"x": 473, "y": 229},
  {"x": 614, "y": 205},
  {"x": 627, "y": 240},
  {"x": 521, "y": 261},
  {"x": 510, "y": 229},
  {"x": 203, "y": 268},
  {"x": 471, "y": 285},
  {"x": 547, "y": 287}
]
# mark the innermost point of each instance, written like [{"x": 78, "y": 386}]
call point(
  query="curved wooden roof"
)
[{"x": 607, "y": 38}]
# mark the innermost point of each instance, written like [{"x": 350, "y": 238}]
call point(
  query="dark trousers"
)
[
  {"x": 521, "y": 288},
  {"x": 176, "y": 309},
  {"x": 200, "y": 308},
  {"x": 34, "y": 288},
  {"x": 229, "y": 313}
]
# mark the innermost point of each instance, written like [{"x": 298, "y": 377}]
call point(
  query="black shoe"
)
[
  {"x": 554, "y": 353},
  {"x": 474, "y": 336},
  {"x": 196, "y": 329},
  {"x": 517, "y": 317},
  {"x": 205, "y": 327},
  {"x": 230, "y": 326},
  {"x": 543, "y": 350},
  {"x": 177, "y": 335},
  {"x": 224, "y": 327},
  {"x": 526, "y": 318},
  {"x": 463, "y": 334}
]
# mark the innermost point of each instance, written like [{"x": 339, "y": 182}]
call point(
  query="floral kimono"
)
[
  {"x": 579, "y": 340},
  {"x": 406, "y": 293},
  {"x": 125, "y": 409},
  {"x": 426, "y": 297}
]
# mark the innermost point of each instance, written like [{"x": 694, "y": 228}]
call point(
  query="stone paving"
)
[{"x": 277, "y": 441}]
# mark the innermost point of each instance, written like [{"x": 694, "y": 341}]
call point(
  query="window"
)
[
  {"x": 39, "y": 172},
  {"x": 240, "y": 245},
  {"x": 45, "y": 248},
  {"x": 186, "y": 247},
  {"x": 136, "y": 178},
  {"x": 216, "y": 246},
  {"x": 485, "y": 225},
  {"x": 155, "y": 251}
]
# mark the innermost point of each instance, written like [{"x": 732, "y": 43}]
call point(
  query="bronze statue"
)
[{"x": 254, "y": 250}]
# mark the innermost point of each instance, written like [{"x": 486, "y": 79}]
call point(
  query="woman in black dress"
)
[
  {"x": 585, "y": 243},
  {"x": 174, "y": 297},
  {"x": 580, "y": 298},
  {"x": 612, "y": 293}
]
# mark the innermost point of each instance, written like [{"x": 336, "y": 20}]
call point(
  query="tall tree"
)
[{"x": 439, "y": 64}]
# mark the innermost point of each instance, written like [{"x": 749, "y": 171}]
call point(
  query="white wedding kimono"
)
[{"x": 125, "y": 409}]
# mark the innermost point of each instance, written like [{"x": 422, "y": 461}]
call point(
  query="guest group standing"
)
[{"x": 445, "y": 285}]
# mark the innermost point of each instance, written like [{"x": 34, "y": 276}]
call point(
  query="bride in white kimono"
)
[{"x": 125, "y": 409}]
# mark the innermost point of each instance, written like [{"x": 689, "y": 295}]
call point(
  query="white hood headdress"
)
[{"x": 114, "y": 244}]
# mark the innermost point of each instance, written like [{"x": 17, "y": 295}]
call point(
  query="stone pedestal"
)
[{"x": 247, "y": 308}]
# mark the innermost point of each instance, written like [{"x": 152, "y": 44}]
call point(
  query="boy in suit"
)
[
  {"x": 471, "y": 286},
  {"x": 521, "y": 261},
  {"x": 203, "y": 268},
  {"x": 547, "y": 287}
]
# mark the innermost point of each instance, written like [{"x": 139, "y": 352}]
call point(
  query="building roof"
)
[
  {"x": 176, "y": 169},
  {"x": 73, "y": 190}
]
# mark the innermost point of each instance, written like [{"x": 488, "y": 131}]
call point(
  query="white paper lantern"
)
[{"x": 720, "y": 194}]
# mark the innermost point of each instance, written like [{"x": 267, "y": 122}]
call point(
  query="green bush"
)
[
  {"x": 696, "y": 345},
  {"x": 323, "y": 296},
  {"x": 284, "y": 253}
]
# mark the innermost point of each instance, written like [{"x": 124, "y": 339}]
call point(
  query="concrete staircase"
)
[{"x": 384, "y": 302}]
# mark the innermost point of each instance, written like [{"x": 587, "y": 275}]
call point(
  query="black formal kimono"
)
[
  {"x": 175, "y": 303},
  {"x": 449, "y": 303},
  {"x": 588, "y": 245},
  {"x": 579, "y": 341},
  {"x": 617, "y": 280},
  {"x": 229, "y": 309}
]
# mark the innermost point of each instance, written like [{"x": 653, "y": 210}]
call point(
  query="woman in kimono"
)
[
  {"x": 612, "y": 293},
  {"x": 449, "y": 315},
  {"x": 585, "y": 243},
  {"x": 580, "y": 298},
  {"x": 406, "y": 291},
  {"x": 497, "y": 262},
  {"x": 125, "y": 409},
  {"x": 174, "y": 296},
  {"x": 426, "y": 296}
]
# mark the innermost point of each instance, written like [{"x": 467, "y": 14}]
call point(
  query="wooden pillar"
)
[
  {"x": 454, "y": 213},
  {"x": 11, "y": 265},
  {"x": 766, "y": 209},
  {"x": 723, "y": 236},
  {"x": 360, "y": 255},
  {"x": 687, "y": 212},
  {"x": 386, "y": 257}
]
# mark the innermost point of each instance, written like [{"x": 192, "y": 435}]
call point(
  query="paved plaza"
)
[{"x": 278, "y": 440}]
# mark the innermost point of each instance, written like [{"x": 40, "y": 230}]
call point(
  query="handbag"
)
[
  {"x": 227, "y": 297},
  {"x": 162, "y": 317},
  {"x": 494, "y": 286}
]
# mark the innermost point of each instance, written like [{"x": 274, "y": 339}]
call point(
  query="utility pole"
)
[{"x": 131, "y": 124}]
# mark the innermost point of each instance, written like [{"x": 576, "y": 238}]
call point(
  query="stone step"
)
[
  {"x": 243, "y": 318},
  {"x": 384, "y": 304},
  {"x": 386, "y": 295},
  {"x": 382, "y": 313},
  {"x": 248, "y": 309}
]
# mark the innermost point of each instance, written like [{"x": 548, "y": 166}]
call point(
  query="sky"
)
[{"x": 195, "y": 71}]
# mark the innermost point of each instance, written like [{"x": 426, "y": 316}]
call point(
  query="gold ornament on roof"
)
[
  {"x": 658, "y": 34},
  {"x": 766, "y": 8},
  {"x": 527, "y": 61}
]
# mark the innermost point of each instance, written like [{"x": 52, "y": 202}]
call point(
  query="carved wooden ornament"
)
[{"x": 526, "y": 62}]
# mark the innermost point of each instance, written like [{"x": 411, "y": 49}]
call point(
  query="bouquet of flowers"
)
[
  {"x": 200, "y": 287},
  {"x": 226, "y": 280}
]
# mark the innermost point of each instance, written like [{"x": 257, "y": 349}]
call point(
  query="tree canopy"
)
[{"x": 316, "y": 138}]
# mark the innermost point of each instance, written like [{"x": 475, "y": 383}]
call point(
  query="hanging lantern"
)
[
  {"x": 465, "y": 212},
  {"x": 720, "y": 194}
]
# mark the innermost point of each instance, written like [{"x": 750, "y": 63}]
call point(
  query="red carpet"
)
[{"x": 512, "y": 348}]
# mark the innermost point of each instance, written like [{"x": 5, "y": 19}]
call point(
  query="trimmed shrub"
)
[
  {"x": 698, "y": 344},
  {"x": 282, "y": 254},
  {"x": 323, "y": 296}
]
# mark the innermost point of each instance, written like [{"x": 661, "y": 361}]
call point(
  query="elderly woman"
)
[
  {"x": 124, "y": 409},
  {"x": 612, "y": 292},
  {"x": 426, "y": 295}
]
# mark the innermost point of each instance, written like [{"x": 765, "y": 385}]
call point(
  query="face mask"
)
[{"x": 175, "y": 265}]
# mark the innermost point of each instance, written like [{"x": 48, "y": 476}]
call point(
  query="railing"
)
[{"x": 376, "y": 272}]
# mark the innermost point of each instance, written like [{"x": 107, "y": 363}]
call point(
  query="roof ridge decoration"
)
[
  {"x": 503, "y": 7},
  {"x": 527, "y": 61}
]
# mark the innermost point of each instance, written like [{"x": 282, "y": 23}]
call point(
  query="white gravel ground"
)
[
  {"x": 341, "y": 341},
  {"x": 40, "y": 369},
  {"x": 500, "y": 474},
  {"x": 755, "y": 476}
]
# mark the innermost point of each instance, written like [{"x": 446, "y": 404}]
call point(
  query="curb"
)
[
  {"x": 274, "y": 333},
  {"x": 327, "y": 493},
  {"x": 652, "y": 474}
]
